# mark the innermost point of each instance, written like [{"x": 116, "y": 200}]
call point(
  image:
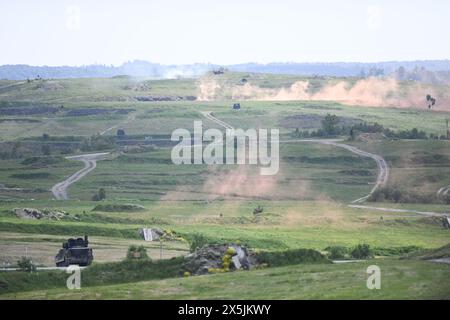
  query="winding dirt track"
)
[
  {"x": 383, "y": 169},
  {"x": 59, "y": 190}
]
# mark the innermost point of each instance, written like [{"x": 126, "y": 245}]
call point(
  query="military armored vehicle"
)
[{"x": 74, "y": 252}]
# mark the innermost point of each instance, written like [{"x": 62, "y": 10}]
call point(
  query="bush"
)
[
  {"x": 398, "y": 195},
  {"x": 198, "y": 241},
  {"x": 361, "y": 251},
  {"x": 396, "y": 251},
  {"x": 100, "y": 195},
  {"x": 25, "y": 264},
  {"x": 30, "y": 175},
  {"x": 118, "y": 207},
  {"x": 46, "y": 151},
  {"x": 258, "y": 210},
  {"x": 289, "y": 257},
  {"x": 98, "y": 274},
  {"x": 337, "y": 252},
  {"x": 137, "y": 253}
]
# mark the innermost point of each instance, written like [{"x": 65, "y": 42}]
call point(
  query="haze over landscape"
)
[{"x": 83, "y": 32}]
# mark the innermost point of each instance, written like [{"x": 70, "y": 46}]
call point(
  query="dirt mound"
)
[{"x": 219, "y": 258}]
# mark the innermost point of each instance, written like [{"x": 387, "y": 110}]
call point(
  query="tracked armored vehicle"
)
[{"x": 74, "y": 252}]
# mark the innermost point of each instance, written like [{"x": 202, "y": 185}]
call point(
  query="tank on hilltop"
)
[{"x": 74, "y": 252}]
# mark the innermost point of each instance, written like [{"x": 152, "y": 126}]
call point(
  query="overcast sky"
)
[{"x": 61, "y": 32}]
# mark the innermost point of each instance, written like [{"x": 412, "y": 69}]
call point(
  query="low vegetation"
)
[{"x": 114, "y": 207}]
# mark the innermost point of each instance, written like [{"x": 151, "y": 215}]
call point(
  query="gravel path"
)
[{"x": 59, "y": 190}]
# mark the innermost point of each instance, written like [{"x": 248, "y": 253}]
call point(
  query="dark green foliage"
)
[
  {"x": 25, "y": 264},
  {"x": 96, "y": 275},
  {"x": 378, "y": 128},
  {"x": 111, "y": 207},
  {"x": 46, "y": 151},
  {"x": 69, "y": 228},
  {"x": 289, "y": 257},
  {"x": 120, "y": 133},
  {"x": 31, "y": 175},
  {"x": 361, "y": 251},
  {"x": 427, "y": 254},
  {"x": 258, "y": 210},
  {"x": 42, "y": 161},
  {"x": 197, "y": 241},
  {"x": 329, "y": 124},
  {"x": 97, "y": 142},
  {"x": 137, "y": 253},
  {"x": 100, "y": 195},
  {"x": 396, "y": 251},
  {"x": 398, "y": 195},
  {"x": 337, "y": 252},
  {"x": 330, "y": 128}
]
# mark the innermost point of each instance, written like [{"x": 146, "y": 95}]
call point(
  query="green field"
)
[{"x": 305, "y": 204}]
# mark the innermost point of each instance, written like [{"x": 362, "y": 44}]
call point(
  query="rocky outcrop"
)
[{"x": 219, "y": 258}]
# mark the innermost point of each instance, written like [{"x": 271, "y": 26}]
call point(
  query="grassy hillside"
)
[
  {"x": 304, "y": 206},
  {"x": 406, "y": 280}
]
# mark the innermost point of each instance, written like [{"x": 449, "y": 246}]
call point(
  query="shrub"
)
[
  {"x": 258, "y": 210},
  {"x": 100, "y": 195},
  {"x": 398, "y": 195},
  {"x": 26, "y": 264},
  {"x": 30, "y": 175},
  {"x": 289, "y": 257},
  {"x": 337, "y": 252},
  {"x": 125, "y": 207},
  {"x": 46, "y": 151},
  {"x": 137, "y": 253},
  {"x": 361, "y": 251},
  {"x": 198, "y": 241}
]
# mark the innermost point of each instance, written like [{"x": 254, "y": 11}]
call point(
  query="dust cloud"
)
[{"x": 370, "y": 92}]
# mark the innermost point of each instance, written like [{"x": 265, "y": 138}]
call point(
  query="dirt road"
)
[
  {"x": 383, "y": 169},
  {"x": 59, "y": 190},
  {"x": 208, "y": 115}
]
